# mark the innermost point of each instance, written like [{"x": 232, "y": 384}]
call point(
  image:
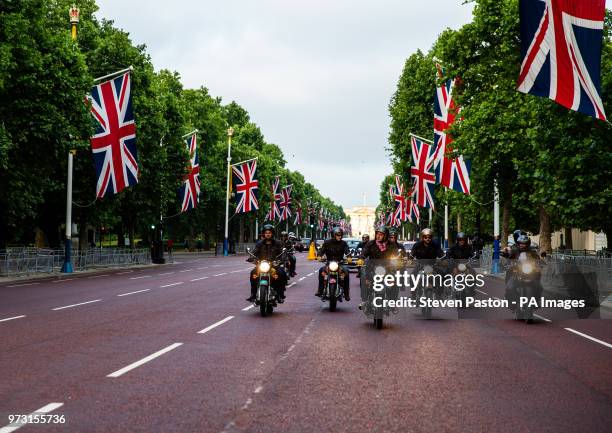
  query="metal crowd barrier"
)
[{"x": 23, "y": 261}]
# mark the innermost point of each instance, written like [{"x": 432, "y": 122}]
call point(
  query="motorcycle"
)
[
  {"x": 428, "y": 270},
  {"x": 333, "y": 282},
  {"x": 525, "y": 273},
  {"x": 266, "y": 297},
  {"x": 463, "y": 267},
  {"x": 379, "y": 310}
]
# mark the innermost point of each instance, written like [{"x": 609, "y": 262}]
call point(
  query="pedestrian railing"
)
[{"x": 23, "y": 261}]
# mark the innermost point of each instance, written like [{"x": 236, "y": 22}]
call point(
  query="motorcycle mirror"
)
[{"x": 543, "y": 254}]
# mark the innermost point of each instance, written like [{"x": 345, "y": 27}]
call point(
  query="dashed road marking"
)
[
  {"x": 99, "y": 276},
  {"x": 171, "y": 284},
  {"x": 76, "y": 305},
  {"x": 143, "y": 276},
  {"x": 126, "y": 272},
  {"x": 22, "y": 285},
  {"x": 292, "y": 284},
  {"x": 198, "y": 279},
  {"x": 203, "y": 267},
  {"x": 166, "y": 273},
  {"x": 214, "y": 325},
  {"x": 218, "y": 275},
  {"x": 596, "y": 340},
  {"x": 131, "y": 293},
  {"x": 542, "y": 317},
  {"x": 248, "y": 308},
  {"x": 144, "y": 360},
  {"x": 43, "y": 410},
  {"x": 480, "y": 291},
  {"x": 303, "y": 278},
  {"x": 11, "y": 318},
  {"x": 186, "y": 270}
]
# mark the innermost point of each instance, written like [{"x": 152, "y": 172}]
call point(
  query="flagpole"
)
[
  {"x": 230, "y": 132},
  {"x": 445, "y": 226},
  {"x": 495, "y": 227},
  {"x": 421, "y": 138}
]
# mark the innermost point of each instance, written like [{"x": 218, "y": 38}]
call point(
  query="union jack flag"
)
[
  {"x": 561, "y": 49},
  {"x": 424, "y": 179},
  {"x": 453, "y": 173},
  {"x": 246, "y": 185},
  {"x": 114, "y": 141},
  {"x": 189, "y": 192},
  {"x": 298, "y": 215},
  {"x": 285, "y": 203},
  {"x": 412, "y": 210},
  {"x": 274, "y": 211},
  {"x": 397, "y": 193}
]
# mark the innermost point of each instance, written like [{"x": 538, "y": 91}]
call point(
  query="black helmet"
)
[
  {"x": 284, "y": 234},
  {"x": 461, "y": 235},
  {"x": 392, "y": 232},
  {"x": 523, "y": 239},
  {"x": 383, "y": 229},
  {"x": 516, "y": 235},
  {"x": 267, "y": 227},
  {"x": 365, "y": 237},
  {"x": 337, "y": 230}
]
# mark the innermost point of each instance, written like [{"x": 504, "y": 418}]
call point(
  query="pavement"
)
[{"x": 175, "y": 348}]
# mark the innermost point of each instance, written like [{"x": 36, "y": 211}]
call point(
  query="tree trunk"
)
[
  {"x": 569, "y": 245},
  {"x": 132, "y": 233},
  {"x": 240, "y": 231},
  {"x": 83, "y": 239},
  {"x": 120, "y": 236},
  {"x": 545, "y": 235},
  {"x": 507, "y": 207}
]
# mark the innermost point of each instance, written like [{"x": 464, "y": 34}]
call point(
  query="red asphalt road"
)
[{"x": 303, "y": 369}]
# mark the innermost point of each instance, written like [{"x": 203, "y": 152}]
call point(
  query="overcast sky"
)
[{"x": 315, "y": 75}]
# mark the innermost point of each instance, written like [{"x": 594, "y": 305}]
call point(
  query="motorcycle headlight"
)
[
  {"x": 380, "y": 270},
  {"x": 462, "y": 267},
  {"x": 428, "y": 269},
  {"x": 333, "y": 266},
  {"x": 527, "y": 268},
  {"x": 264, "y": 267}
]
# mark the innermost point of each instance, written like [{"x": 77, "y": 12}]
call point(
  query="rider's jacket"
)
[
  {"x": 334, "y": 250},
  {"x": 398, "y": 246},
  {"x": 515, "y": 252},
  {"x": 268, "y": 250},
  {"x": 458, "y": 252},
  {"x": 421, "y": 251},
  {"x": 372, "y": 251},
  {"x": 361, "y": 244}
]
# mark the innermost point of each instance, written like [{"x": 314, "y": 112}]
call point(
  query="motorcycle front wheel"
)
[
  {"x": 426, "y": 311},
  {"x": 378, "y": 323},
  {"x": 263, "y": 303},
  {"x": 332, "y": 299}
]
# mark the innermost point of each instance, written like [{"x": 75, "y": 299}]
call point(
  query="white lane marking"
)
[
  {"x": 186, "y": 270},
  {"x": 480, "y": 291},
  {"x": 310, "y": 274},
  {"x": 76, "y": 305},
  {"x": 22, "y": 285},
  {"x": 216, "y": 266},
  {"x": 61, "y": 281},
  {"x": 198, "y": 279},
  {"x": 292, "y": 284},
  {"x": 258, "y": 389},
  {"x": 131, "y": 293},
  {"x": 43, "y": 410},
  {"x": 214, "y": 325},
  {"x": 173, "y": 284},
  {"x": 11, "y": 318},
  {"x": 99, "y": 276},
  {"x": 166, "y": 273},
  {"x": 589, "y": 337},
  {"x": 542, "y": 317},
  {"x": 144, "y": 360},
  {"x": 248, "y": 308},
  {"x": 218, "y": 275},
  {"x": 303, "y": 278},
  {"x": 126, "y": 272},
  {"x": 143, "y": 276},
  {"x": 203, "y": 267}
]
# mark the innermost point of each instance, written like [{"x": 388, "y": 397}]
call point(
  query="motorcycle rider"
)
[
  {"x": 377, "y": 249},
  {"x": 335, "y": 249},
  {"x": 523, "y": 245},
  {"x": 364, "y": 240},
  {"x": 426, "y": 248},
  {"x": 268, "y": 249},
  {"x": 288, "y": 244},
  {"x": 393, "y": 241},
  {"x": 461, "y": 250}
]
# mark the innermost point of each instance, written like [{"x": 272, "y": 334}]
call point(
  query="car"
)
[
  {"x": 298, "y": 245},
  {"x": 408, "y": 245},
  {"x": 351, "y": 262}
]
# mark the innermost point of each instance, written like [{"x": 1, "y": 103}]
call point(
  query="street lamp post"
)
[
  {"x": 67, "y": 265},
  {"x": 230, "y": 132}
]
